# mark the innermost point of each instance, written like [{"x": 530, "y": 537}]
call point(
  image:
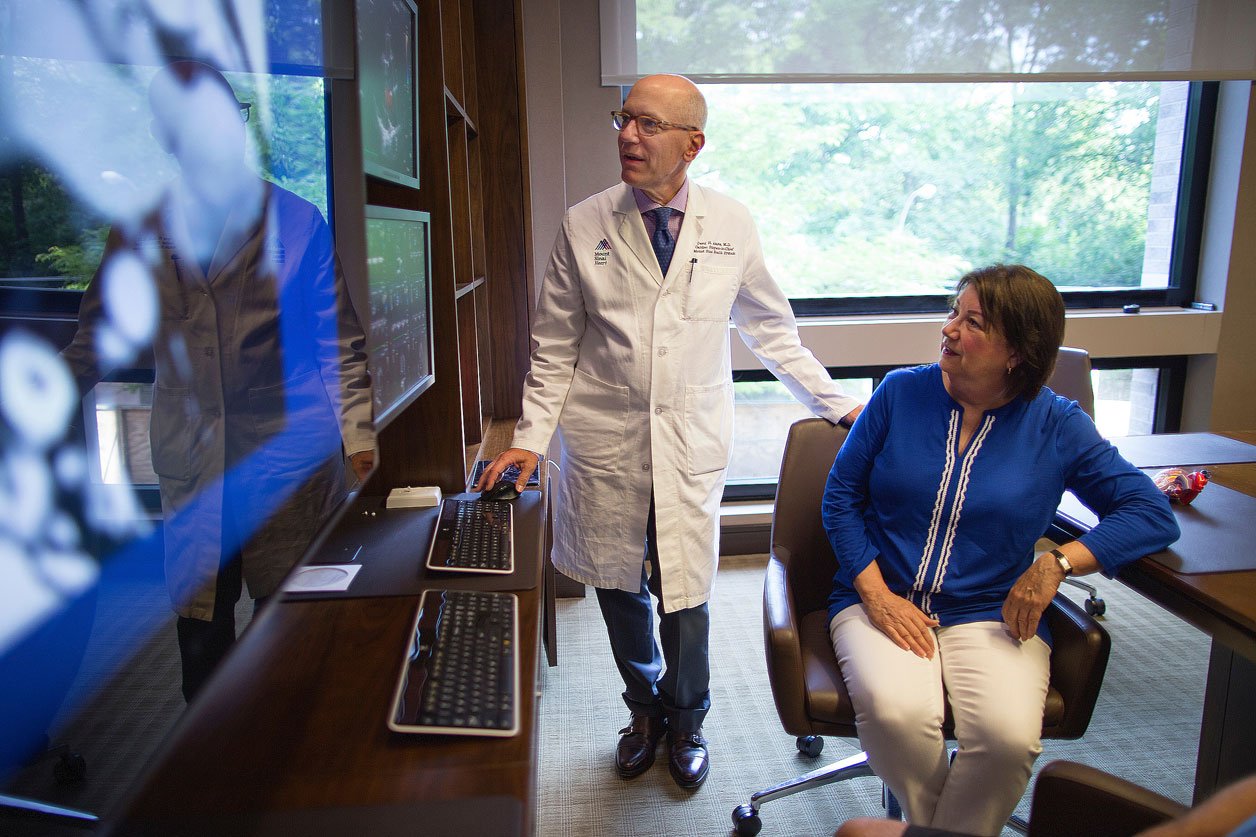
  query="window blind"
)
[{"x": 928, "y": 40}]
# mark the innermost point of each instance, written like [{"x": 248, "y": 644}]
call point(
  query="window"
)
[
  {"x": 1126, "y": 401},
  {"x": 877, "y": 197},
  {"x": 763, "y": 410},
  {"x": 870, "y": 196}
]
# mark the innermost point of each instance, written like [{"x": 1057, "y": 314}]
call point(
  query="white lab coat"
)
[
  {"x": 260, "y": 373},
  {"x": 633, "y": 369}
]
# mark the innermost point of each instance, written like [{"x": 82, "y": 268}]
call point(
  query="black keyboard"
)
[
  {"x": 472, "y": 536},
  {"x": 461, "y": 672}
]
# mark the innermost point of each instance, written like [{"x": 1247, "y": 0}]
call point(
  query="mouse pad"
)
[
  {"x": 1166, "y": 450},
  {"x": 391, "y": 547}
]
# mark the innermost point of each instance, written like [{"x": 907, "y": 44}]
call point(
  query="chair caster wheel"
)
[
  {"x": 1095, "y": 607},
  {"x": 810, "y": 745},
  {"x": 745, "y": 821},
  {"x": 69, "y": 769}
]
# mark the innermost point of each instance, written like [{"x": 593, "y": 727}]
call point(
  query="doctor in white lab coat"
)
[
  {"x": 261, "y": 385},
  {"x": 631, "y": 365}
]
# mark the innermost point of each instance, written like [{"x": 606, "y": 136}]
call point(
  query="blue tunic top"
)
[{"x": 954, "y": 529}]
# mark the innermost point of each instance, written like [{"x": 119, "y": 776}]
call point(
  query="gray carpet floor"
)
[{"x": 1145, "y": 727}]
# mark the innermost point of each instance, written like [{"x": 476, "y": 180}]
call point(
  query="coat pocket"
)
[
  {"x": 709, "y": 293},
  {"x": 171, "y": 431},
  {"x": 593, "y": 423},
  {"x": 709, "y": 424}
]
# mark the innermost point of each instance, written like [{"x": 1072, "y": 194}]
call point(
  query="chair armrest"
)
[
  {"x": 1071, "y": 798},
  {"x": 781, "y": 645},
  {"x": 1079, "y": 659}
]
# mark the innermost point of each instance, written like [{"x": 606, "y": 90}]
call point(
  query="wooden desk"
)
[
  {"x": 290, "y": 736},
  {"x": 1222, "y": 604}
]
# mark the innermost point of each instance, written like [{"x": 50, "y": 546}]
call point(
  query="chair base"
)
[
  {"x": 1094, "y": 605},
  {"x": 746, "y": 820}
]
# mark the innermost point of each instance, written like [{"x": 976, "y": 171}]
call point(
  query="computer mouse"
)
[{"x": 504, "y": 490}]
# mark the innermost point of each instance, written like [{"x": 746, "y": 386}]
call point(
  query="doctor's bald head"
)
[{"x": 660, "y": 133}]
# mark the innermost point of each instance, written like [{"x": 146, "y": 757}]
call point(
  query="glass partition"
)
[{"x": 184, "y": 397}]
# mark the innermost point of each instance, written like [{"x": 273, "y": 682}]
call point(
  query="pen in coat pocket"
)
[{"x": 692, "y": 262}]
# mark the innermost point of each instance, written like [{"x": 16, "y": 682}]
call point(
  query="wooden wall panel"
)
[
  {"x": 424, "y": 445},
  {"x": 502, "y": 148}
]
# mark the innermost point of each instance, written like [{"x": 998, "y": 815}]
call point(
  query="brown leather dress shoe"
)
[
  {"x": 637, "y": 743},
  {"x": 689, "y": 761}
]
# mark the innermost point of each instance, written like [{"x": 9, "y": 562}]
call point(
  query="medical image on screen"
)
[
  {"x": 401, "y": 343},
  {"x": 386, "y": 78}
]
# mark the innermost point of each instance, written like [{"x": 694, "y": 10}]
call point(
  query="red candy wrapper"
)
[{"x": 1179, "y": 485}]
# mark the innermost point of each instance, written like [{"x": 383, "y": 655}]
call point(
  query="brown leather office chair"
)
[
  {"x": 807, "y": 684},
  {"x": 1071, "y": 798},
  {"x": 1071, "y": 378}
]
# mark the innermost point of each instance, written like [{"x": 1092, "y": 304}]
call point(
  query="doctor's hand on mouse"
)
[{"x": 525, "y": 459}]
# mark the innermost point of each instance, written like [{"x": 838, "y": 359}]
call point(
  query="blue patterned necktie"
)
[{"x": 662, "y": 240}]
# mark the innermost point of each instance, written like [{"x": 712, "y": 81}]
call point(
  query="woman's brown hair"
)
[{"x": 1028, "y": 311}]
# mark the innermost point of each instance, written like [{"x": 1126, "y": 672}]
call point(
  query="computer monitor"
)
[
  {"x": 398, "y": 258},
  {"x": 388, "y": 89}
]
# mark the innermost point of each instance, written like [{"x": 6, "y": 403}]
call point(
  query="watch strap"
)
[{"x": 1063, "y": 561}]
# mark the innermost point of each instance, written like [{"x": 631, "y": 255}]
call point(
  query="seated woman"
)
[{"x": 933, "y": 506}]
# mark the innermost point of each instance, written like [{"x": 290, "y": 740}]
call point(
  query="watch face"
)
[{"x": 1063, "y": 562}]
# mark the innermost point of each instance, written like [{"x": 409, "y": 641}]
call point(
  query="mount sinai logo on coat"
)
[{"x": 601, "y": 253}]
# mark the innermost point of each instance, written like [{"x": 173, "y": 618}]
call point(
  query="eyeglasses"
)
[
  {"x": 245, "y": 109},
  {"x": 647, "y": 125}
]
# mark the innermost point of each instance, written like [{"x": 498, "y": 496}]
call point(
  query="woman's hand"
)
[
  {"x": 1030, "y": 595},
  {"x": 906, "y": 625}
]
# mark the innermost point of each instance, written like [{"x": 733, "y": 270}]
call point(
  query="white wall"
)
[
  {"x": 571, "y": 144},
  {"x": 1221, "y": 388},
  {"x": 572, "y": 150}
]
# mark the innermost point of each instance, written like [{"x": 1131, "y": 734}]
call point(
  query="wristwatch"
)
[{"x": 1063, "y": 562}]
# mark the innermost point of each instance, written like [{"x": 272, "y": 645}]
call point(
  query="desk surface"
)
[
  {"x": 1223, "y": 604},
  {"x": 291, "y": 736}
]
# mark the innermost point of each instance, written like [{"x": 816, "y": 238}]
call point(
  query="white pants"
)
[{"x": 997, "y": 688}]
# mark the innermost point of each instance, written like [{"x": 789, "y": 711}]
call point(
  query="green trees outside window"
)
[{"x": 885, "y": 189}]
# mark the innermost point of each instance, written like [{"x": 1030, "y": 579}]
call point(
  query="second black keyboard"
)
[
  {"x": 461, "y": 671},
  {"x": 473, "y": 536}
]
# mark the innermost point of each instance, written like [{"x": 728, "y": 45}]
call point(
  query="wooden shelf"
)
[
  {"x": 470, "y": 103},
  {"x": 455, "y": 112},
  {"x": 466, "y": 288}
]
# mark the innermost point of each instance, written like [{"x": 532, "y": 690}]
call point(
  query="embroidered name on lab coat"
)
[{"x": 718, "y": 248}]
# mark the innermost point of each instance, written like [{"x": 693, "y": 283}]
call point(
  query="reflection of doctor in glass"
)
[{"x": 261, "y": 386}]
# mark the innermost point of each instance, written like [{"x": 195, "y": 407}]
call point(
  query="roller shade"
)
[{"x": 928, "y": 40}]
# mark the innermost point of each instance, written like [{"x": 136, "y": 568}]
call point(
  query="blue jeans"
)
[{"x": 682, "y": 693}]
